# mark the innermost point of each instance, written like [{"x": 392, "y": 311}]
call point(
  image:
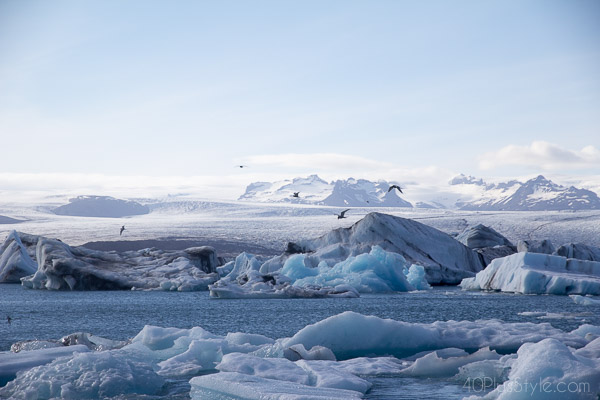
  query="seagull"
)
[
  {"x": 122, "y": 229},
  {"x": 295, "y": 194},
  {"x": 341, "y": 215},
  {"x": 395, "y": 187}
]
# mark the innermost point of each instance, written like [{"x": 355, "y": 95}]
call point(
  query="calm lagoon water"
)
[{"x": 121, "y": 315}]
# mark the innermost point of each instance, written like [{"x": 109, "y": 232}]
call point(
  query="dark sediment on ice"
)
[{"x": 224, "y": 247}]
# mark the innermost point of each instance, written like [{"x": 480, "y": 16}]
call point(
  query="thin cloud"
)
[
  {"x": 317, "y": 161},
  {"x": 541, "y": 155}
]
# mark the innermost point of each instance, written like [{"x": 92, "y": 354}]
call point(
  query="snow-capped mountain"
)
[
  {"x": 101, "y": 206},
  {"x": 463, "y": 193},
  {"x": 311, "y": 190},
  {"x": 314, "y": 190},
  {"x": 538, "y": 194}
]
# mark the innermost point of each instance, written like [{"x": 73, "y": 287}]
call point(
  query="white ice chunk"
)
[
  {"x": 434, "y": 365},
  {"x": 11, "y": 363},
  {"x": 233, "y": 384},
  {"x": 374, "y": 272},
  {"x": 350, "y": 335},
  {"x": 532, "y": 273},
  {"x": 15, "y": 262},
  {"x": 279, "y": 369},
  {"x": 89, "y": 375},
  {"x": 550, "y": 370},
  {"x": 298, "y": 352},
  {"x": 367, "y": 366},
  {"x": 585, "y": 300}
]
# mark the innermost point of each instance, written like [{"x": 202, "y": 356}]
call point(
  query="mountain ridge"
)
[{"x": 537, "y": 194}]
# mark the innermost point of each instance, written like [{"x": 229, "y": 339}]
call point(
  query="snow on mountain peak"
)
[{"x": 468, "y": 192}]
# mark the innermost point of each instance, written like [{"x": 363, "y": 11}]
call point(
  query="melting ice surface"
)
[{"x": 288, "y": 353}]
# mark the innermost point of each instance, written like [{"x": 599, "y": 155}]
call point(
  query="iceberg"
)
[
  {"x": 435, "y": 365},
  {"x": 43, "y": 263},
  {"x": 235, "y": 385},
  {"x": 378, "y": 271},
  {"x": 244, "y": 280},
  {"x": 532, "y": 273},
  {"x": 551, "y": 370},
  {"x": 351, "y": 335},
  {"x": 380, "y": 253},
  {"x": 585, "y": 300},
  {"x": 445, "y": 260},
  {"x": 11, "y": 363},
  {"x": 257, "y": 367},
  {"x": 15, "y": 259}
]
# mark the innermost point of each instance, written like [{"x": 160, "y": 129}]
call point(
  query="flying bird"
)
[
  {"x": 395, "y": 187},
  {"x": 241, "y": 166},
  {"x": 296, "y": 194},
  {"x": 122, "y": 229},
  {"x": 341, "y": 215}
]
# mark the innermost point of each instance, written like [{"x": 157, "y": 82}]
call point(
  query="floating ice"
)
[
  {"x": 532, "y": 273},
  {"x": 351, "y": 335},
  {"x": 245, "y": 281},
  {"x": 58, "y": 266},
  {"x": 550, "y": 370},
  {"x": 374, "y": 272},
  {"x": 434, "y": 365},
  {"x": 235, "y": 385},
  {"x": 257, "y": 367},
  {"x": 11, "y": 363},
  {"x": 15, "y": 261},
  {"x": 85, "y": 375},
  {"x": 445, "y": 259},
  {"x": 585, "y": 300}
]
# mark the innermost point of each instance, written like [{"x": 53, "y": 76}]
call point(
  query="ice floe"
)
[
  {"x": 532, "y": 273},
  {"x": 585, "y": 300},
  {"x": 244, "y": 365}
]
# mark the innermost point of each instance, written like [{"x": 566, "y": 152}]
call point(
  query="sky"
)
[{"x": 158, "y": 96}]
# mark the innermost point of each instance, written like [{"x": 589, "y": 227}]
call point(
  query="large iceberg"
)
[
  {"x": 377, "y": 271},
  {"x": 446, "y": 261},
  {"x": 15, "y": 259},
  {"x": 488, "y": 243},
  {"x": 52, "y": 264},
  {"x": 244, "y": 365},
  {"x": 380, "y": 253},
  {"x": 533, "y": 273},
  {"x": 242, "y": 279}
]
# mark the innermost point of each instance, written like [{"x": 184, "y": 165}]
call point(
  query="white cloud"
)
[
  {"x": 317, "y": 161},
  {"x": 541, "y": 155},
  {"x": 46, "y": 186}
]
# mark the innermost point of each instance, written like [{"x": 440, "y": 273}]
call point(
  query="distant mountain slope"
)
[
  {"x": 314, "y": 190},
  {"x": 463, "y": 192},
  {"x": 538, "y": 194},
  {"x": 101, "y": 206}
]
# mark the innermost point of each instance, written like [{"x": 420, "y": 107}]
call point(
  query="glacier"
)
[
  {"x": 533, "y": 273},
  {"x": 345, "y": 352}
]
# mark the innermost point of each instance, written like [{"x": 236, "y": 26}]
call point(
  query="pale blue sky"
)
[{"x": 340, "y": 88}]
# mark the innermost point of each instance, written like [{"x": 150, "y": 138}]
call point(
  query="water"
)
[{"x": 39, "y": 314}]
